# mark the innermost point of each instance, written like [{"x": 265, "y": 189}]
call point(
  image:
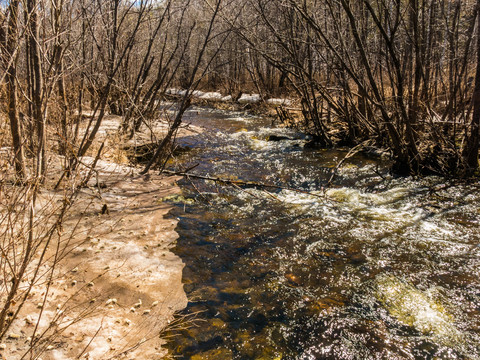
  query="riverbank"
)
[{"x": 117, "y": 285}]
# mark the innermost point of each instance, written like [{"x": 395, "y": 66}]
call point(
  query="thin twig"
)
[{"x": 351, "y": 153}]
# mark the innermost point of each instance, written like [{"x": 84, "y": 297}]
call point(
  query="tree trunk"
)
[
  {"x": 36, "y": 85},
  {"x": 58, "y": 51},
  {"x": 10, "y": 47},
  {"x": 470, "y": 151},
  {"x": 62, "y": 97}
]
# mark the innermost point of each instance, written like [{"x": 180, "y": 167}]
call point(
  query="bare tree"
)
[
  {"x": 35, "y": 85},
  {"x": 470, "y": 151},
  {"x": 390, "y": 70},
  {"x": 161, "y": 154},
  {"x": 10, "y": 60}
]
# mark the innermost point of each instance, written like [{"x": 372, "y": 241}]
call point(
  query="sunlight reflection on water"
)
[{"x": 290, "y": 275}]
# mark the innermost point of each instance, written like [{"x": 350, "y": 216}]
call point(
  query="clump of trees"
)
[
  {"x": 65, "y": 65},
  {"x": 400, "y": 72},
  {"x": 61, "y": 58}
]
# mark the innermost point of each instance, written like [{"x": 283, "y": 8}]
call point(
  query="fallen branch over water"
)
[
  {"x": 238, "y": 183},
  {"x": 263, "y": 186}
]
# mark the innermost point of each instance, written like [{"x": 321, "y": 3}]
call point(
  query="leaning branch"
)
[{"x": 240, "y": 183}]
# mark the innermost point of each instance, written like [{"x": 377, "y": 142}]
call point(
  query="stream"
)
[{"x": 374, "y": 267}]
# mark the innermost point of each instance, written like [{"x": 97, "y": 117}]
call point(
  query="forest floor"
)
[{"x": 118, "y": 286}]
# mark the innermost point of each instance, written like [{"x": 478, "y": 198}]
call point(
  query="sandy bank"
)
[{"x": 118, "y": 286}]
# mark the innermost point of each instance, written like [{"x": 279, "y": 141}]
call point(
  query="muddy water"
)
[{"x": 374, "y": 267}]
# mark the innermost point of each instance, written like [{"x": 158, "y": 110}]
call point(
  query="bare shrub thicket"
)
[
  {"x": 32, "y": 245},
  {"x": 64, "y": 66},
  {"x": 400, "y": 72}
]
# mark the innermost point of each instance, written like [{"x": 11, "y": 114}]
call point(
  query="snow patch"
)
[
  {"x": 279, "y": 101},
  {"x": 249, "y": 99}
]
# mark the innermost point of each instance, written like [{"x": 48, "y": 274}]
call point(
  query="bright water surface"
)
[{"x": 374, "y": 267}]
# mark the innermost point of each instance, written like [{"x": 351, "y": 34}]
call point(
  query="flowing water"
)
[{"x": 373, "y": 267}]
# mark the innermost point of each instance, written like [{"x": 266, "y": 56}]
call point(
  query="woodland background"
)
[
  {"x": 399, "y": 73},
  {"x": 396, "y": 74}
]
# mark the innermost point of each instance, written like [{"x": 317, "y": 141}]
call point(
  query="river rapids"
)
[{"x": 371, "y": 267}]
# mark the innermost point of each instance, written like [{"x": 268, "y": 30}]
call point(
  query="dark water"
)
[{"x": 374, "y": 267}]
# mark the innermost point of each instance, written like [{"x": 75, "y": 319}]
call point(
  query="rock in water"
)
[
  {"x": 276, "y": 138},
  {"x": 416, "y": 309}
]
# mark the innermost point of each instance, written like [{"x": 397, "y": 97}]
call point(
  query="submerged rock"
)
[
  {"x": 177, "y": 199},
  {"x": 414, "y": 308},
  {"x": 277, "y": 138},
  {"x": 293, "y": 280},
  {"x": 376, "y": 153}
]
